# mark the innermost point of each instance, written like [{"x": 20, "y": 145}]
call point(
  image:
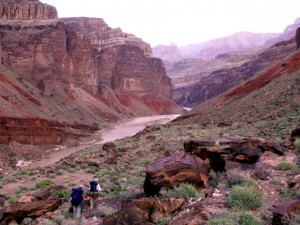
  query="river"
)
[{"x": 119, "y": 131}]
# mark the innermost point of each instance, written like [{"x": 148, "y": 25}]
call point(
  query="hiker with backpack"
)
[
  {"x": 93, "y": 192},
  {"x": 76, "y": 199}
]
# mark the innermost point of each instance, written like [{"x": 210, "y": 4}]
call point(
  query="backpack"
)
[
  {"x": 77, "y": 196},
  {"x": 93, "y": 186}
]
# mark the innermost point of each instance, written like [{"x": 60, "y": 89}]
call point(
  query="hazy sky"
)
[{"x": 185, "y": 21}]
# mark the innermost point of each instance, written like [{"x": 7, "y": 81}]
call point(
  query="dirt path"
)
[{"x": 121, "y": 130}]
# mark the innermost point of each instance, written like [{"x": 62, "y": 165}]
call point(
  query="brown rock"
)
[
  {"x": 144, "y": 211},
  {"x": 19, "y": 211},
  {"x": 262, "y": 171},
  {"x": 296, "y": 132},
  {"x": 199, "y": 212},
  {"x": 295, "y": 182},
  {"x": 284, "y": 211},
  {"x": 170, "y": 171},
  {"x": 231, "y": 148},
  {"x": 109, "y": 147},
  {"x": 26, "y": 199}
]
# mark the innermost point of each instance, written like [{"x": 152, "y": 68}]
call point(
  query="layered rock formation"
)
[
  {"x": 26, "y": 10},
  {"x": 173, "y": 170},
  {"x": 144, "y": 211},
  {"x": 73, "y": 73},
  {"x": 223, "y": 79}
]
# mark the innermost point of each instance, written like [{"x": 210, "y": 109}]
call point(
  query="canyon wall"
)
[
  {"x": 26, "y": 10},
  {"x": 74, "y": 72}
]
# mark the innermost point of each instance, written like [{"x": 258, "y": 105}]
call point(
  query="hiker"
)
[
  {"x": 93, "y": 192},
  {"x": 76, "y": 199}
]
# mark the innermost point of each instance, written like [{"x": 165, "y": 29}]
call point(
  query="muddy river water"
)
[{"x": 120, "y": 130}]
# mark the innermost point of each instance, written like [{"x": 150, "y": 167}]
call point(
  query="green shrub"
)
[
  {"x": 226, "y": 180},
  {"x": 285, "y": 166},
  {"x": 276, "y": 181},
  {"x": 234, "y": 177},
  {"x": 21, "y": 189},
  {"x": 235, "y": 218},
  {"x": 92, "y": 171},
  {"x": 243, "y": 198},
  {"x": 61, "y": 193},
  {"x": 163, "y": 221},
  {"x": 183, "y": 191},
  {"x": 43, "y": 184},
  {"x": 250, "y": 183},
  {"x": 285, "y": 193}
]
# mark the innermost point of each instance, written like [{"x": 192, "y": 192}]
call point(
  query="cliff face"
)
[
  {"x": 26, "y": 10},
  {"x": 55, "y": 50},
  {"x": 221, "y": 80},
  {"x": 77, "y": 71}
]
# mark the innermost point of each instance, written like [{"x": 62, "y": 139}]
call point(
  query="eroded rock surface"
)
[
  {"x": 144, "y": 211},
  {"x": 173, "y": 170},
  {"x": 285, "y": 210},
  {"x": 19, "y": 210},
  {"x": 234, "y": 149},
  {"x": 26, "y": 10}
]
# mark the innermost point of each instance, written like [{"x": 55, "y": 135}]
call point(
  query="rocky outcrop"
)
[
  {"x": 18, "y": 211},
  {"x": 220, "y": 154},
  {"x": 144, "y": 211},
  {"x": 174, "y": 170},
  {"x": 36, "y": 131},
  {"x": 285, "y": 211},
  {"x": 26, "y": 10},
  {"x": 100, "y": 35}
]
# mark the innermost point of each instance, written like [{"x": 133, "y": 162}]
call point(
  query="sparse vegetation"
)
[
  {"x": 183, "y": 191},
  {"x": 163, "y": 221},
  {"x": 44, "y": 184},
  {"x": 242, "y": 198},
  {"x": 21, "y": 189},
  {"x": 62, "y": 193},
  {"x": 285, "y": 166},
  {"x": 235, "y": 218}
]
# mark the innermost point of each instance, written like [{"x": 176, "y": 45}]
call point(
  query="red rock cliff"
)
[
  {"x": 79, "y": 67},
  {"x": 26, "y": 10}
]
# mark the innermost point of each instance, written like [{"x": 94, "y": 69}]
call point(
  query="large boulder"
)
[
  {"x": 144, "y": 211},
  {"x": 20, "y": 210},
  {"x": 173, "y": 170},
  {"x": 243, "y": 150},
  {"x": 285, "y": 211}
]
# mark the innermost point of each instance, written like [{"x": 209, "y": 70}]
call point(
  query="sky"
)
[{"x": 185, "y": 21}]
